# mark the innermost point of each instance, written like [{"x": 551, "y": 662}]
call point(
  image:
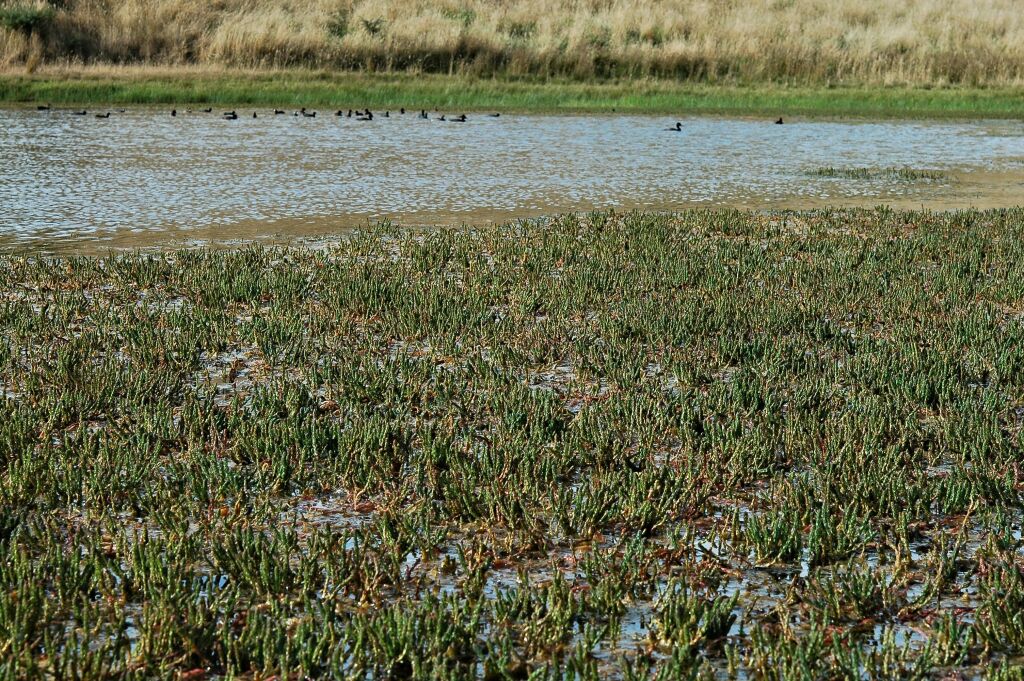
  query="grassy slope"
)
[
  {"x": 308, "y": 88},
  {"x": 810, "y": 41}
]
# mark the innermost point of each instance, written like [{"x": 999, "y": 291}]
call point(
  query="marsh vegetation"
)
[
  {"x": 861, "y": 173},
  {"x": 933, "y": 42},
  {"x": 778, "y": 445},
  {"x": 180, "y": 85}
]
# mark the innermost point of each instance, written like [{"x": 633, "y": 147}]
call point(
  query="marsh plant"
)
[
  {"x": 929, "y": 42},
  {"x": 718, "y": 443},
  {"x": 902, "y": 173}
]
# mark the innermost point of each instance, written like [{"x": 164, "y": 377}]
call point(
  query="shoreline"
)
[
  {"x": 182, "y": 86},
  {"x": 330, "y": 232}
]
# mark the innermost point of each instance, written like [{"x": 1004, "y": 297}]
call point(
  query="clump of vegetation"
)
[
  {"x": 26, "y": 19},
  {"x": 904, "y": 173},
  {"x": 374, "y": 27},
  {"x": 338, "y": 23},
  {"x": 719, "y": 443},
  {"x": 463, "y": 15}
]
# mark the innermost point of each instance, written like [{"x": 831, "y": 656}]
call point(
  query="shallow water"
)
[{"x": 143, "y": 177}]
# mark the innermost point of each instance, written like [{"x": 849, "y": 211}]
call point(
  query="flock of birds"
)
[{"x": 359, "y": 115}]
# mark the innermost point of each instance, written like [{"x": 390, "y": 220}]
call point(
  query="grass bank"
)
[
  {"x": 712, "y": 445},
  {"x": 978, "y": 42},
  {"x": 109, "y": 86}
]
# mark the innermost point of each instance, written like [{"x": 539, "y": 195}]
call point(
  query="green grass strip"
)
[{"x": 324, "y": 89}]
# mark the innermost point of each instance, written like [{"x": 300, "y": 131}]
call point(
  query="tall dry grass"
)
[{"x": 867, "y": 41}]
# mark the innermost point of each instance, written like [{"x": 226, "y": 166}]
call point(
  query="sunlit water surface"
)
[{"x": 142, "y": 176}]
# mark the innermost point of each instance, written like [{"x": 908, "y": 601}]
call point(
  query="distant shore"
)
[{"x": 200, "y": 85}]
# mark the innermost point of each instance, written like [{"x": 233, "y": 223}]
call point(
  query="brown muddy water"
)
[{"x": 143, "y": 178}]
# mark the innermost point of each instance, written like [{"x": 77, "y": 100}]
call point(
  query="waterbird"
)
[
  {"x": 103, "y": 115},
  {"x": 121, "y": 110},
  {"x": 230, "y": 116},
  {"x": 441, "y": 118},
  {"x": 174, "y": 112},
  {"x": 387, "y": 114},
  {"x": 79, "y": 113},
  {"x": 368, "y": 116},
  {"x": 339, "y": 112},
  {"x": 278, "y": 112},
  {"x": 494, "y": 115},
  {"x": 209, "y": 110},
  {"x": 402, "y": 110},
  {"x": 308, "y": 114},
  {"x": 43, "y": 107},
  {"x": 423, "y": 114},
  {"x": 459, "y": 119},
  {"x": 254, "y": 114},
  {"x": 678, "y": 127},
  {"x": 779, "y": 122}
]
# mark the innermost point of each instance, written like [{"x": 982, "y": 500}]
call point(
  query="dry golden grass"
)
[{"x": 978, "y": 42}]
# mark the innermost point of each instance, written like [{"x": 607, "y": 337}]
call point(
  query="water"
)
[{"x": 143, "y": 176}]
